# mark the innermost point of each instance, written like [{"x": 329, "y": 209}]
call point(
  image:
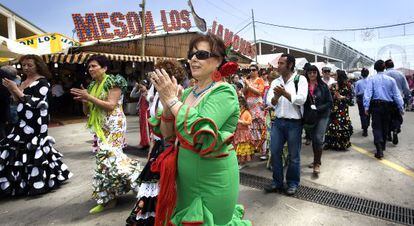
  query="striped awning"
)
[{"x": 81, "y": 58}]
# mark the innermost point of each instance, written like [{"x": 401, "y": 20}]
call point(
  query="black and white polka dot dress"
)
[{"x": 29, "y": 165}]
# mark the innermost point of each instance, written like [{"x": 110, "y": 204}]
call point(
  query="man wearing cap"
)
[
  {"x": 380, "y": 93},
  {"x": 326, "y": 76}
]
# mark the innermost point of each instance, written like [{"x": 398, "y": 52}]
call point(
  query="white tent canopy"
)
[
  {"x": 300, "y": 62},
  {"x": 13, "y": 49},
  {"x": 273, "y": 58},
  {"x": 320, "y": 65},
  {"x": 267, "y": 59}
]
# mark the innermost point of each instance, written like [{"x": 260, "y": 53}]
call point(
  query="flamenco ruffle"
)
[
  {"x": 143, "y": 212},
  {"x": 31, "y": 169},
  {"x": 115, "y": 174},
  {"x": 201, "y": 135},
  {"x": 198, "y": 214},
  {"x": 149, "y": 221}
]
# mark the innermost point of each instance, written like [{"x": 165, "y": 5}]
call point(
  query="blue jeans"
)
[
  {"x": 318, "y": 133},
  {"x": 289, "y": 131}
]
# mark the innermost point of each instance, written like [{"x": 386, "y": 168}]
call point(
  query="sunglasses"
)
[
  {"x": 200, "y": 54},
  {"x": 253, "y": 69}
]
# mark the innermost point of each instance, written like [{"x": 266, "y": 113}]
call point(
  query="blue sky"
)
[{"x": 55, "y": 16}]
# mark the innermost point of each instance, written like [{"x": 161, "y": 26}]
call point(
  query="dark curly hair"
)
[
  {"x": 41, "y": 67},
  {"x": 100, "y": 59},
  {"x": 173, "y": 68}
]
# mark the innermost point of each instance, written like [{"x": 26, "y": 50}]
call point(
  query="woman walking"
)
[
  {"x": 319, "y": 99},
  {"x": 115, "y": 173},
  {"x": 29, "y": 164},
  {"x": 340, "y": 127}
]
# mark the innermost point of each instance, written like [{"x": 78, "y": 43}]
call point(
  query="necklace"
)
[{"x": 196, "y": 95}]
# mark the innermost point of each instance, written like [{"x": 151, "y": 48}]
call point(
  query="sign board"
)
[
  {"x": 238, "y": 43},
  {"x": 48, "y": 43},
  {"x": 104, "y": 25}
]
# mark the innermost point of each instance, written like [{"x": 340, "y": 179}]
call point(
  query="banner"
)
[{"x": 49, "y": 43}]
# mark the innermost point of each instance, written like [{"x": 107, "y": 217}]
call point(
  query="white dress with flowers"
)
[{"x": 115, "y": 173}]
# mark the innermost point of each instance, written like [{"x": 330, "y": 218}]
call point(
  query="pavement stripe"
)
[{"x": 385, "y": 162}]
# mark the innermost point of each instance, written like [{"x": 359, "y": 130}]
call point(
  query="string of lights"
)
[{"x": 336, "y": 30}]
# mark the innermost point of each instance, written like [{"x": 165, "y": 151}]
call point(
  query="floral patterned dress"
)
[
  {"x": 256, "y": 107},
  {"x": 340, "y": 128},
  {"x": 115, "y": 173}
]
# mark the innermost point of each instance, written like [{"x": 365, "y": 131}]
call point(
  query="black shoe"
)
[
  {"x": 379, "y": 153},
  {"x": 389, "y": 138},
  {"x": 395, "y": 138},
  {"x": 379, "y": 156},
  {"x": 272, "y": 188},
  {"x": 365, "y": 133},
  {"x": 291, "y": 191}
]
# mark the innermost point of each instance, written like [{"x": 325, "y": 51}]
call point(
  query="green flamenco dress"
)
[{"x": 207, "y": 179}]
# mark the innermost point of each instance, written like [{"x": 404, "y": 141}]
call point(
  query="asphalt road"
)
[{"x": 354, "y": 172}]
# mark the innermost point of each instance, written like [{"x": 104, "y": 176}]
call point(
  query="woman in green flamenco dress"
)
[
  {"x": 115, "y": 173},
  {"x": 199, "y": 176}
]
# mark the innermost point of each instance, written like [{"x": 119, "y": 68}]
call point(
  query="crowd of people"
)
[{"x": 199, "y": 130}]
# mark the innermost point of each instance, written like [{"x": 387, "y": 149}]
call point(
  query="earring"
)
[{"x": 216, "y": 76}]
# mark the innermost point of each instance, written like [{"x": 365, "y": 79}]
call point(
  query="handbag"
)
[{"x": 310, "y": 115}]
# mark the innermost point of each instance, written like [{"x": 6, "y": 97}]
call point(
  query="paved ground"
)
[{"x": 351, "y": 172}]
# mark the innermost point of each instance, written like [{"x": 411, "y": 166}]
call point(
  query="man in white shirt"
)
[{"x": 288, "y": 97}]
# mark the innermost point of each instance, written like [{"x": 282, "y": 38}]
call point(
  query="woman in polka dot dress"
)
[{"x": 29, "y": 165}]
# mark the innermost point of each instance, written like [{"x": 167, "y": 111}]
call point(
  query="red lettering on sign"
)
[
  {"x": 166, "y": 26},
  {"x": 134, "y": 24},
  {"x": 149, "y": 22},
  {"x": 101, "y": 17},
  {"x": 228, "y": 37},
  {"x": 175, "y": 20},
  {"x": 213, "y": 28},
  {"x": 116, "y": 20},
  {"x": 185, "y": 17},
  {"x": 86, "y": 27},
  {"x": 220, "y": 31},
  {"x": 242, "y": 46},
  {"x": 236, "y": 42}
]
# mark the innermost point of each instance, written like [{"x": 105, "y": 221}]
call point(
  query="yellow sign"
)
[{"x": 49, "y": 43}]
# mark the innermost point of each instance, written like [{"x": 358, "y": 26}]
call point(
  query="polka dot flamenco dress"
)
[{"x": 29, "y": 165}]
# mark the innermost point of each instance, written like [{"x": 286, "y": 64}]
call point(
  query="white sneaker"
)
[{"x": 263, "y": 157}]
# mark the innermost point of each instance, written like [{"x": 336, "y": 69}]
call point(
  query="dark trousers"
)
[
  {"x": 364, "y": 118},
  {"x": 396, "y": 119},
  {"x": 381, "y": 118}
]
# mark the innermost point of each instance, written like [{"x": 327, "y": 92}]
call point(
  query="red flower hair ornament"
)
[{"x": 226, "y": 69}]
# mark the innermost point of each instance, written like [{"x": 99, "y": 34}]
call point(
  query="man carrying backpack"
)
[{"x": 288, "y": 98}]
